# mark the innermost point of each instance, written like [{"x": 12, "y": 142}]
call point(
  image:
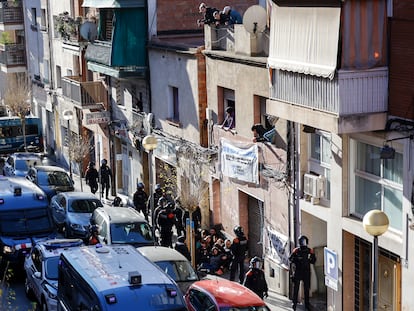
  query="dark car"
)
[
  {"x": 71, "y": 212},
  {"x": 51, "y": 179}
]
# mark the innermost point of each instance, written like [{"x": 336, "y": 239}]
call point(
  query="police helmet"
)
[
  {"x": 157, "y": 187},
  {"x": 238, "y": 231},
  {"x": 94, "y": 229},
  {"x": 181, "y": 239},
  {"x": 117, "y": 201},
  {"x": 256, "y": 262},
  {"x": 162, "y": 202},
  {"x": 91, "y": 164},
  {"x": 104, "y": 162},
  {"x": 140, "y": 185},
  {"x": 303, "y": 240}
]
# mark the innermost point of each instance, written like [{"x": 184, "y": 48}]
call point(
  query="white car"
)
[{"x": 41, "y": 269}]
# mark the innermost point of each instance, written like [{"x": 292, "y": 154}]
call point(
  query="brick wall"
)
[{"x": 182, "y": 15}]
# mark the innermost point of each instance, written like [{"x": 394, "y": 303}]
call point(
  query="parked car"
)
[
  {"x": 19, "y": 163},
  {"x": 51, "y": 179},
  {"x": 71, "y": 212},
  {"x": 173, "y": 263},
  {"x": 122, "y": 225},
  {"x": 220, "y": 294},
  {"x": 41, "y": 269}
]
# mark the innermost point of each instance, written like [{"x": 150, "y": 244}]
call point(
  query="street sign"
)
[
  {"x": 97, "y": 117},
  {"x": 331, "y": 268}
]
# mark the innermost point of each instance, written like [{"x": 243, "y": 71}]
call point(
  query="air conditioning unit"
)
[{"x": 313, "y": 185}]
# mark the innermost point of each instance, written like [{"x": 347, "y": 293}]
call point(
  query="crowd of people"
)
[{"x": 212, "y": 16}]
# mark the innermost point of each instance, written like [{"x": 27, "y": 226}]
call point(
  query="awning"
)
[
  {"x": 304, "y": 39},
  {"x": 113, "y": 3}
]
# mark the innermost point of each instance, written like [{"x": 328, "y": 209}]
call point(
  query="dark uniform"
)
[
  {"x": 106, "y": 174},
  {"x": 166, "y": 220},
  {"x": 301, "y": 259},
  {"x": 255, "y": 278},
  {"x": 140, "y": 200},
  {"x": 92, "y": 177},
  {"x": 239, "y": 249},
  {"x": 182, "y": 248}
]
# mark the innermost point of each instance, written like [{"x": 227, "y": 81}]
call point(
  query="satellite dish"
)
[
  {"x": 89, "y": 31},
  {"x": 254, "y": 19}
]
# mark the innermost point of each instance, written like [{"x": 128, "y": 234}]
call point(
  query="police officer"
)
[
  {"x": 166, "y": 220},
  {"x": 106, "y": 175},
  {"x": 239, "y": 249},
  {"x": 301, "y": 259},
  {"x": 140, "y": 200},
  {"x": 255, "y": 278},
  {"x": 179, "y": 214}
]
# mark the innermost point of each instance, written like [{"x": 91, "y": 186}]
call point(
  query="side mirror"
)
[{"x": 37, "y": 275}]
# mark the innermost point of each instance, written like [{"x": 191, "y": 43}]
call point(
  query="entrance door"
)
[
  {"x": 256, "y": 219},
  {"x": 387, "y": 284}
]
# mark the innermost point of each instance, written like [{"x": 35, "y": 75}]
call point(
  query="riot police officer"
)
[
  {"x": 255, "y": 278},
  {"x": 301, "y": 259},
  {"x": 239, "y": 249}
]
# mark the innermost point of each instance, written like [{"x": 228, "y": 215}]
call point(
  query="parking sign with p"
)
[{"x": 331, "y": 268}]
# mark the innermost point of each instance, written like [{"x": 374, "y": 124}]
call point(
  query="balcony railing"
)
[
  {"x": 11, "y": 12},
  {"x": 235, "y": 39},
  {"x": 83, "y": 94},
  {"x": 12, "y": 54},
  {"x": 350, "y": 92}
]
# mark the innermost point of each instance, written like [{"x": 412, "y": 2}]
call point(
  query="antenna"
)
[
  {"x": 89, "y": 31},
  {"x": 254, "y": 19}
]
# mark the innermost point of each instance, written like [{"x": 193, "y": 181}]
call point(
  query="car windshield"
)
[
  {"x": 180, "y": 271},
  {"x": 24, "y": 164},
  {"x": 131, "y": 233},
  {"x": 53, "y": 178},
  {"x": 23, "y": 222},
  {"x": 84, "y": 205},
  {"x": 51, "y": 268}
]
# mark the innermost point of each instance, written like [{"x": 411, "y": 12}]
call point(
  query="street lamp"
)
[
  {"x": 376, "y": 223},
  {"x": 68, "y": 116},
  {"x": 150, "y": 143}
]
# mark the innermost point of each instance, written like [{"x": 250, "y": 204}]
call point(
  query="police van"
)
[
  {"x": 24, "y": 218},
  {"x": 114, "y": 277}
]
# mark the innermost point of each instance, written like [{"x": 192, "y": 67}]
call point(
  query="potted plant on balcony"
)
[{"x": 66, "y": 25}]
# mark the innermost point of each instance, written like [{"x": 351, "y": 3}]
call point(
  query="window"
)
[
  {"x": 173, "y": 109},
  {"x": 58, "y": 76},
  {"x": 376, "y": 183},
  {"x": 225, "y": 101},
  {"x": 34, "y": 17},
  {"x": 43, "y": 20},
  {"x": 320, "y": 158}
]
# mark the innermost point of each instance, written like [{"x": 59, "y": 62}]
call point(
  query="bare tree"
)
[
  {"x": 78, "y": 149},
  {"x": 18, "y": 99}
]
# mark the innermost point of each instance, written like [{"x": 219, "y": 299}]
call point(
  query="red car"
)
[{"x": 222, "y": 295}]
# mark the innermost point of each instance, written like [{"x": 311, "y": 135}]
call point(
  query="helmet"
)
[
  {"x": 91, "y": 164},
  {"x": 157, "y": 187},
  {"x": 104, "y": 162},
  {"x": 255, "y": 262},
  {"x": 140, "y": 185},
  {"x": 117, "y": 201},
  {"x": 303, "y": 240},
  {"x": 181, "y": 239},
  {"x": 238, "y": 231}
]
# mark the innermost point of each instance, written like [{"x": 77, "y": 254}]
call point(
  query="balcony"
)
[
  {"x": 235, "y": 39},
  {"x": 11, "y": 15},
  {"x": 85, "y": 95},
  {"x": 353, "y": 100},
  {"x": 12, "y": 56}
]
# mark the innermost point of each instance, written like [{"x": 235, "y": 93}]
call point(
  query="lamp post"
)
[
  {"x": 150, "y": 143},
  {"x": 376, "y": 223},
  {"x": 68, "y": 116}
]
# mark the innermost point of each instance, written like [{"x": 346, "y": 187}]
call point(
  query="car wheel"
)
[{"x": 28, "y": 290}]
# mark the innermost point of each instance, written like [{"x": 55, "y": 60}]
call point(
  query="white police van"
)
[
  {"x": 114, "y": 277},
  {"x": 24, "y": 218}
]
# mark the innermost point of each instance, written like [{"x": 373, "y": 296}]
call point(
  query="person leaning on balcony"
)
[
  {"x": 260, "y": 134},
  {"x": 232, "y": 16},
  {"x": 208, "y": 17}
]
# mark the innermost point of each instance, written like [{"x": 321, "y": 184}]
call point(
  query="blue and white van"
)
[
  {"x": 114, "y": 278},
  {"x": 24, "y": 218}
]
